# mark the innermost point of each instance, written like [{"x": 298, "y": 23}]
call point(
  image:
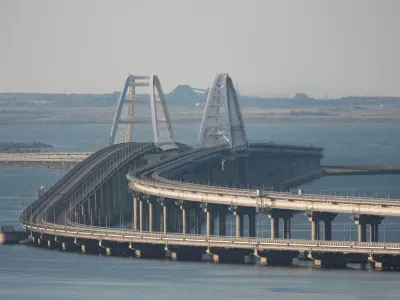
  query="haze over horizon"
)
[{"x": 313, "y": 46}]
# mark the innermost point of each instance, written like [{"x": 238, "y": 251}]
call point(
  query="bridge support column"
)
[
  {"x": 182, "y": 215},
  {"x": 274, "y": 227},
  {"x": 208, "y": 223},
  {"x": 328, "y": 260},
  {"x": 210, "y": 257},
  {"x": 183, "y": 220},
  {"x": 252, "y": 224},
  {"x": 361, "y": 221},
  {"x": 328, "y": 230},
  {"x": 315, "y": 218},
  {"x": 286, "y": 228},
  {"x": 151, "y": 216},
  {"x": 222, "y": 223},
  {"x": 165, "y": 224},
  {"x": 134, "y": 212},
  {"x": 275, "y": 215},
  {"x": 209, "y": 218},
  {"x": 196, "y": 225},
  {"x": 362, "y": 232},
  {"x": 67, "y": 245},
  {"x": 239, "y": 224},
  {"x": 385, "y": 262},
  {"x": 272, "y": 257},
  {"x": 141, "y": 214}
]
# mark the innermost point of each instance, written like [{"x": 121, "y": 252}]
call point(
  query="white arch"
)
[
  {"x": 161, "y": 123},
  {"x": 222, "y": 119},
  {"x": 162, "y": 129}
]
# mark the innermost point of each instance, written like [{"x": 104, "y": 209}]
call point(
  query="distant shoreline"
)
[{"x": 247, "y": 122}]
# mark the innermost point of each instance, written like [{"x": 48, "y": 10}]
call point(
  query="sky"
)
[{"x": 269, "y": 47}]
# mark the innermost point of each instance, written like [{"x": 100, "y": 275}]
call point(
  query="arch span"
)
[
  {"x": 156, "y": 112},
  {"x": 222, "y": 121}
]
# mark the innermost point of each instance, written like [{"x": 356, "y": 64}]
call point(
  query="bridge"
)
[
  {"x": 65, "y": 160},
  {"x": 177, "y": 199}
]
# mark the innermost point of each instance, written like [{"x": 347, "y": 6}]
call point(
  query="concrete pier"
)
[
  {"x": 385, "y": 262},
  {"x": 210, "y": 257},
  {"x": 10, "y": 236},
  {"x": 361, "y": 221},
  {"x": 328, "y": 260},
  {"x": 315, "y": 218},
  {"x": 271, "y": 258},
  {"x": 286, "y": 216}
]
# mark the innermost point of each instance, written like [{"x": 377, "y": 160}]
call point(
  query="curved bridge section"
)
[{"x": 87, "y": 209}]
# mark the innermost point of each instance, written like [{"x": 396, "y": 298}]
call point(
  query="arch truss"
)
[
  {"x": 142, "y": 90},
  {"x": 222, "y": 121}
]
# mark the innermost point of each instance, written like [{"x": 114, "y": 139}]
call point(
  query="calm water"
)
[{"x": 32, "y": 273}]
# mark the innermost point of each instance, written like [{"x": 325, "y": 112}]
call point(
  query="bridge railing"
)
[{"x": 95, "y": 232}]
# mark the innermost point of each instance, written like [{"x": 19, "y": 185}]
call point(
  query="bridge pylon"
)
[
  {"x": 222, "y": 121},
  {"x": 154, "y": 112}
]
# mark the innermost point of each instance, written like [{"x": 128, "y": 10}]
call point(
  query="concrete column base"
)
[
  {"x": 52, "y": 244},
  {"x": 171, "y": 255},
  {"x": 255, "y": 259},
  {"x": 149, "y": 250},
  {"x": 384, "y": 262},
  {"x": 136, "y": 252},
  {"x": 210, "y": 257},
  {"x": 41, "y": 241},
  {"x": 328, "y": 260},
  {"x": 66, "y": 246},
  {"x": 271, "y": 258}
]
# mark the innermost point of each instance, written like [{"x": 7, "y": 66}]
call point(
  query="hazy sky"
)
[{"x": 342, "y": 47}]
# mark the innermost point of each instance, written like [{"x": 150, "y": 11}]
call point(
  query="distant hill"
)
[
  {"x": 15, "y": 99},
  {"x": 184, "y": 95}
]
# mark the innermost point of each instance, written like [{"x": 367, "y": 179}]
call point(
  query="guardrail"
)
[{"x": 127, "y": 235}]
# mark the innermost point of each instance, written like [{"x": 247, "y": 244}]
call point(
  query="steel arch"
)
[
  {"x": 160, "y": 120},
  {"x": 222, "y": 120}
]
